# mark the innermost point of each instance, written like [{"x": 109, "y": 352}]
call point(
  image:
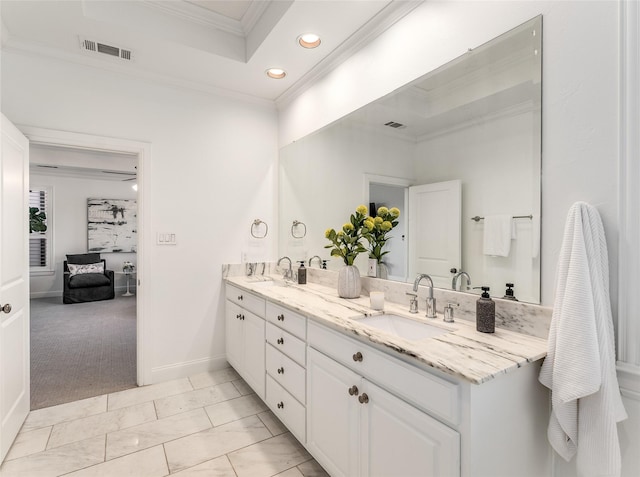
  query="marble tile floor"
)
[{"x": 209, "y": 425}]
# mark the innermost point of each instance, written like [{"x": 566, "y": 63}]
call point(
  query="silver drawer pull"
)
[
  {"x": 280, "y": 317},
  {"x": 280, "y": 405},
  {"x": 280, "y": 370},
  {"x": 240, "y": 297},
  {"x": 238, "y": 315},
  {"x": 357, "y": 356},
  {"x": 364, "y": 399},
  {"x": 280, "y": 340},
  {"x": 353, "y": 390},
  {"x": 6, "y": 308}
]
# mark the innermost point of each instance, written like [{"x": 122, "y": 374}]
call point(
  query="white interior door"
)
[
  {"x": 14, "y": 284},
  {"x": 435, "y": 218}
]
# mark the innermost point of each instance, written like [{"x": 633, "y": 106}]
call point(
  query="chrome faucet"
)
[
  {"x": 431, "y": 302},
  {"x": 454, "y": 281},
  {"x": 319, "y": 261},
  {"x": 288, "y": 274}
]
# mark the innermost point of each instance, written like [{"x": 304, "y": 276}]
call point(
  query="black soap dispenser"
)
[
  {"x": 508, "y": 294},
  {"x": 485, "y": 312},
  {"x": 302, "y": 274}
]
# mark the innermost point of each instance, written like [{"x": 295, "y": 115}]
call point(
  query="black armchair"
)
[{"x": 84, "y": 287}]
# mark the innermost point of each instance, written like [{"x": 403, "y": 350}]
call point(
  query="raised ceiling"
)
[{"x": 216, "y": 46}]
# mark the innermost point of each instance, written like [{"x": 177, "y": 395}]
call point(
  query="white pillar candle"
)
[{"x": 377, "y": 300}]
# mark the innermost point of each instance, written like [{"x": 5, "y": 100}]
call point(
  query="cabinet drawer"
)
[
  {"x": 246, "y": 300},
  {"x": 286, "y": 372},
  {"x": 419, "y": 387},
  {"x": 287, "y": 409},
  {"x": 288, "y": 320},
  {"x": 286, "y": 343}
]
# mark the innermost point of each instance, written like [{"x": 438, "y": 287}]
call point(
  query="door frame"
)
[
  {"x": 51, "y": 137},
  {"x": 394, "y": 182}
]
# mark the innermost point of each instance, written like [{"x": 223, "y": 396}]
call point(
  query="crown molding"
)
[
  {"x": 21, "y": 47},
  {"x": 509, "y": 111},
  {"x": 196, "y": 14},
  {"x": 381, "y": 22},
  {"x": 253, "y": 15}
]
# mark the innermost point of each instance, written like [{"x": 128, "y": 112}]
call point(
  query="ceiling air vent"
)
[
  {"x": 395, "y": 125},
  {"x": 102, "y": 48}
]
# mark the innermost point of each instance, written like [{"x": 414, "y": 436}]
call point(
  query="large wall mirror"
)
[{"x": 458, "y": 151}]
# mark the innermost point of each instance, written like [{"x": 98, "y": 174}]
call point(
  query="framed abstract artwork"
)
[{"x": 112, "y": 225}]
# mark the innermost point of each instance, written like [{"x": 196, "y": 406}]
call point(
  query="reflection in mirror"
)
[{"x": 461, "y": 142}]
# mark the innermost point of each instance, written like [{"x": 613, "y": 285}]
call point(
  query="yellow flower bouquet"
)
[
  {"x": 347, "y": 243},
  {"x": 377, "y": 229}
]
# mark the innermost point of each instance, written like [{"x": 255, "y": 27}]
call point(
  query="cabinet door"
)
[
  {"x": 254, "y": 350},
  {"x": 332, "y": 415},
  {"x": 398, "y": 439},
  {"x": 233, "y": 335}
]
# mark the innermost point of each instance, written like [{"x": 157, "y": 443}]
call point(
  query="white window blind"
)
[{"x": 39, "y": 242}]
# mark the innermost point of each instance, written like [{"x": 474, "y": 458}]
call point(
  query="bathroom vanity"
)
[{"x": 365, "y": 401}]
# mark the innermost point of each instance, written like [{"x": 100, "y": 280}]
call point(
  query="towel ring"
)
[
  {"x": 255, "y": 227},
  {"x": 293, "y": 228}
]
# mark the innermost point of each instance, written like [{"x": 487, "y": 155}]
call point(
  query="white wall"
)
[
  {"x": 213, "y": 170},
  {"x": 69, "y": 217},
  {"x": 580, "y": 112},
  {"x": 345, "y": 153},
  {"x": 500, "y": 173}
]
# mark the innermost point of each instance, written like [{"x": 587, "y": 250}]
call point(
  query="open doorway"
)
[
  {"x": 83, "y": 332},
  {"x": 122, "y": 317},
  {"x": 391, "y": 192}
]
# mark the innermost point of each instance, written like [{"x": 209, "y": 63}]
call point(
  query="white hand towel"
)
[
  {"x": 498, "y": 232},
  {"x": 580, "y": 364}
]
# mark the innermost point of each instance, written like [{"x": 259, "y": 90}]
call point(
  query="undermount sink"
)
[
  {"x": 271, "y": 283},
  {"x": 402, "y": 327}
]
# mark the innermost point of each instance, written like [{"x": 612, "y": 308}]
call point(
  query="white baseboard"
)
[
  {"x": 187, "y": 368},
  {"x": 58, "y": 293},
  {"x": 629, "y": 380},
  {"x": 47, "y": 294}
]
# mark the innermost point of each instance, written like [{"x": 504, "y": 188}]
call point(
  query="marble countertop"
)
[{"x": 463, "y": 352}]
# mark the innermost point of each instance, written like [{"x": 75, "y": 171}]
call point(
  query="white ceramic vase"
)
[
  {"x": 382, "y": 270},
  {"x": 349, "y": 282}
]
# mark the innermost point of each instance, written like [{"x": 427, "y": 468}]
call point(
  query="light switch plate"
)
[{"x": 166, "y": 239}]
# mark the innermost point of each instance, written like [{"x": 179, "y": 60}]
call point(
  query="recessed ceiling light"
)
[
  {"x": 309, "y": 40},
  {"x": 276, "y": 73}
]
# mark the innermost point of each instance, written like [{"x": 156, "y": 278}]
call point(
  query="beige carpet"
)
[{"x": 81, "y": 350}]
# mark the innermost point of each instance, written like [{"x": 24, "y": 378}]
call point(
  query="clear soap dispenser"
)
[{"x": 485, "y": 312}]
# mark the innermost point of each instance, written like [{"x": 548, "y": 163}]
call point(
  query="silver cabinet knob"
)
[
  {"x": 280, "y": 370},
  {"x": 6, "y": 308},
  {"x": 364, "y": 399},
  {"x": 280, "y": 317},
  {"x": 353, "y": 390},
  {"x": 280, "y": 405},
  {"x": 357, "y": 356}
]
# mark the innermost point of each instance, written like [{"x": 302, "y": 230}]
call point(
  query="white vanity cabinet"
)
[
  {"x": 356, "y": 428},
  {"x": 245, "y": 332},
  {"x": 286, "y": 334}
]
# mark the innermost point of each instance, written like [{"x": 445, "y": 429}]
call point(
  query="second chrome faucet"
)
[{"x": 431, "y": 301}]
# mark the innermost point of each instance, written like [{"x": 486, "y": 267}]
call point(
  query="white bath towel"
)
[
  {"x": 498, "y": 232},
  {"x": 580, "y": 364}
]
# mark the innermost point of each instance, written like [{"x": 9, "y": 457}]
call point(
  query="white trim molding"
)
[
  {"x": 188, "y": 368},
  {"x": 629, "y": 199},
  {"x": 629, "y": 380}
]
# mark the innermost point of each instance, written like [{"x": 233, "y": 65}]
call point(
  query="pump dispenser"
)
[
  {"x": 302, "y": 274},
  {"x": 508, "y": 294},
  {"x": 485, "y": 312}
]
